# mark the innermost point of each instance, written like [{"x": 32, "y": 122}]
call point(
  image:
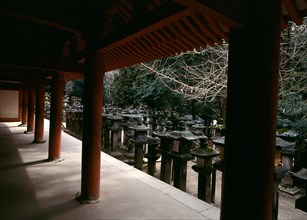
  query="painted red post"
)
[
  {"x": 39, "y": 114},
  {"x": 24, "y": 116},
  {"x": 56, "y": 116},
  {"x": 251, "y": 119},
  {"x": 31, "y": 109},
  {"x": 92, "y": 127}
]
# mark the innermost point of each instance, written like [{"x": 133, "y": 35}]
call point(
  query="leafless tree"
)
[
  {"x": 293, "y": 59},
  {"x": 201, "y": 74}
]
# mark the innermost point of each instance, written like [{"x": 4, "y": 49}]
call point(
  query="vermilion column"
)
[
  {"x": 39, "y": 114},
  {"x": 252, "y": 113},
  {"x": 24, "y": 116},
  {"x": 56, "y": 116},
  {"x": 92, "y": 126},
  {"x": 31, "y": 109}
]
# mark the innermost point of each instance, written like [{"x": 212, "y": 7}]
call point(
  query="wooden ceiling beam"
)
[
  {"x": 69, "y": 76},
  {"x": 38, "y": 21},
  {"x": 157, "y": 18},
  {"x": 15, "y": 86},
  {"x": 23, "y": 78},
  {"x": 159, "y": 45},
  {"x": 226, "y": 12},
  {"x": 139, "y": 9},
  {"x": 206, "y": 30},
  {"x": 166, "y": 45},
  {"x": 293, "y": 11},
  {"x": 215, "y": 27},
  {"x": 39, "y": 63}
]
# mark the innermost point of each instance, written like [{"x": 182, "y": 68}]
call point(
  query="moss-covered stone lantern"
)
[
  {"x": 205, "y": 170},
  {"x": 198, "y": 129},
  {"x": 182, "y": 142},
  {"x": 139, "y": 140},
  {"x": 152, "y": 156},
  {"x": 164, "y": 148},
  {"x": 116, "y": 134}
]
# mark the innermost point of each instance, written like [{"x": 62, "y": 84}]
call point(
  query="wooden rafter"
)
[
  {"x": 38, "y": 21},
  {"x": 127, "y": 36},
  {"x": 219, "y": 10},
  {"x": 293, "y": 11}
]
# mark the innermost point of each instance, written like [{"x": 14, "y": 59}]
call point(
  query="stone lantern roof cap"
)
[
  {"x": 153, "y": 140},
  {"x": 190, "y": 123},
  {"x": 289, "y": 133},
  {"x": 199, "y": 126},
  {"x": 204, "y": 152},
  {"x": 116, "y": 117},
  {"x": 284, "y": 144},
  {"x": 161, "y": 134},
  {"x": 139, "y": 127},
  {"x": 186, "y": 134},
  {"x": 220, "y": 141},
  {"x": 279, "y": 142},
  {"x": 301, "y": 174}
]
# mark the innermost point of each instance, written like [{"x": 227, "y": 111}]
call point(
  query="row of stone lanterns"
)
[
  {"x": 74, "y": 122},
  {"x": 176, "y": 148},
  {"x": 173, "y": 145}
]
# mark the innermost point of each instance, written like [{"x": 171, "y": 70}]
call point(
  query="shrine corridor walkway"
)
[{"x": 31, "y": 187}]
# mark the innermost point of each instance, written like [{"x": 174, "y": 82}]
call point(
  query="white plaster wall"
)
[{"x": 9, "y": 100}]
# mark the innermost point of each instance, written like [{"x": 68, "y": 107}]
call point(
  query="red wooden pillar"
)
[
  {"x": 24, "y": 108},
  {"x": 31, "y": 107},
  {"x": 20, "y": 105},
  {"x": 56, "y": 116},
  {"x": 251, "y": 118},
  {"x": 39, "y": 114},
  {"x": 92, "y": 126}
]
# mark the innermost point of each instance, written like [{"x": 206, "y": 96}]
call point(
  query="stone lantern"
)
[
  {"x": 204, "y": 168},
  {"x": 182, "y": 141},
  {"x": 149, "y": 120},
  {"x": 152, "y": 156},
  {"x": 116, "y": 134},
  {"x": 300, "y": 179},
  {"x": 189, "y": 124},
  {"x": 106, "y": 124},
  {"x": 76, "y": 123},
  {"x": 129, "y": 134},
  {"x": 164, "y": 149},
  {"x": 279, "y": 172},
  {"x": 283, "y": 148},
  {"x": 125, "y": 122},
  {"x": 220, "y": 144},
  {"x": 79, "y": 123},
  {"x": 285, "y": 157},
  {"x": 68, "y": 120},
  {"x": 291, "y": 153},
  {"x": 139, "y": 140},
  {"x": 198, "y": 129}
]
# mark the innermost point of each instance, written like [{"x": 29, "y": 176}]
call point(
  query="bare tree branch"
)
[{"x": 201, "y": 74}]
